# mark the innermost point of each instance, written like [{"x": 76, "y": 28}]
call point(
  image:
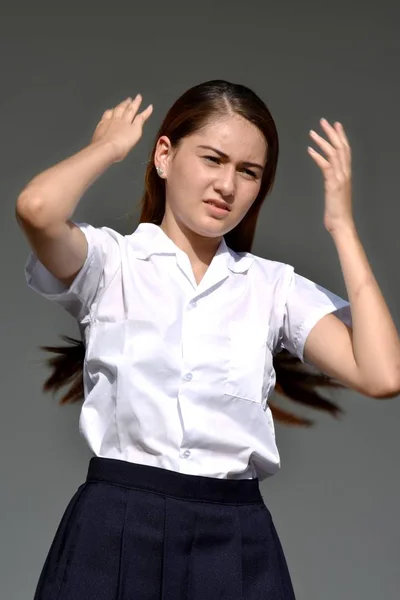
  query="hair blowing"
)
[{"x": 197, "y": 107}]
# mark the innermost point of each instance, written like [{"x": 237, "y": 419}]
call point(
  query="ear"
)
[{"x": 163, "y": 154}]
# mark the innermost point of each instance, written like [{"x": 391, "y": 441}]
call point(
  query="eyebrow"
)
[{"x": 223, "y": 155}]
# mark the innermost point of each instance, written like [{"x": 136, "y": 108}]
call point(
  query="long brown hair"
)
[{"x": 195, "y": 108}]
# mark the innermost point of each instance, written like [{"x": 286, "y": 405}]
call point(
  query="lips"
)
[{"x": 219, "y": 204}]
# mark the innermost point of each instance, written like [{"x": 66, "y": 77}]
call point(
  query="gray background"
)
[{"x": 335, "y": 501}]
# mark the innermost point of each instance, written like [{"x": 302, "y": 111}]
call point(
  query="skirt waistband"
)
[{"x": 172, "y": 483}]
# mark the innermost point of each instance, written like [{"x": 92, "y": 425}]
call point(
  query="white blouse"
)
[{"x": 177, "y": 375}]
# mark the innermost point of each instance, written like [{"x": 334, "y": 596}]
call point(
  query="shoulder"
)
[
  {"x": 259, "y": 267},
  {"x": 272, "y": 268},
  {"x": 99, "y": 233},
  {"x": 110, "y": 240}
]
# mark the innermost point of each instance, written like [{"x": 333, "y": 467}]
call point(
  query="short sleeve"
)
[
  {"x": 306, "y": 303},
  {"x": 102, "y": 261}
]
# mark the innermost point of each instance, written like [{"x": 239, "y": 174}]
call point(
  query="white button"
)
[
  {"x": 186, "y": 454},
  {"x": 188, "y": 377}
]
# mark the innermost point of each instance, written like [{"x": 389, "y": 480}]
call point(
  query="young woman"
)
[{"x": 180, "y": 327}]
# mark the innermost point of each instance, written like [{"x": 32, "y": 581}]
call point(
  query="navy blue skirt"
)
[{"x": 134, "y": 532}]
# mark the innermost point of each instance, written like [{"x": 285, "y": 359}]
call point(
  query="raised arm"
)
[
  {"x": 45, "y": 206},
  {"x": 366, "y": 357}
]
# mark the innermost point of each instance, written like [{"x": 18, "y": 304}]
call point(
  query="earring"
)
[{"x": 159, "y": 171}]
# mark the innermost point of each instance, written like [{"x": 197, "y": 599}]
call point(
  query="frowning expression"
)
[{"x": 214, "y": 175}]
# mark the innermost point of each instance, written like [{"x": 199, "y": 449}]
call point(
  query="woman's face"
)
[{"x": 221, "y": 163}]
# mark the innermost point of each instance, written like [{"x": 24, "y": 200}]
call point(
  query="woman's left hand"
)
[{"x": 336, "y": 169}]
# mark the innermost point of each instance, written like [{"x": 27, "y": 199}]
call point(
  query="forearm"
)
[
  {"x": 376, "y": 343},
  {"x": 53, "y": 195}
]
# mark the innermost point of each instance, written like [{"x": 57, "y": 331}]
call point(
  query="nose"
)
[{"x": 225, "y": 182}]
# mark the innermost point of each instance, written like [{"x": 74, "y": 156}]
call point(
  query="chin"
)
[{"x": 211, "y": 228}]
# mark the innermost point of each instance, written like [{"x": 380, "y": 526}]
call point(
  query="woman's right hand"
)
[{"x": 122, "y": 126}]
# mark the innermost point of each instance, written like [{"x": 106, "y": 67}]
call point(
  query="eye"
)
[
  {"x": 214, "y": 159},
  {"x": 252, "y": 174}
]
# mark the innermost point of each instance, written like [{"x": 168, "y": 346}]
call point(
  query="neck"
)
[{"x": 199, "y": 249}]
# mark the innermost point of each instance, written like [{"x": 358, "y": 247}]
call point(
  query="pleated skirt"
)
[{"x": 135, "y": 532}]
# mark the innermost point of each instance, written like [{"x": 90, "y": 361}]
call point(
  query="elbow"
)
[
  {"x": 28, "y": 209},
  {"x": 388, "y": 389}
]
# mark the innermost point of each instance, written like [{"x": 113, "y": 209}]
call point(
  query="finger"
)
[
  {"x": 330, "y": 167},
  {"x": 320, "y": 160},
  {"x": 345, "y": 150},
  {"x": 133, "y": 107},
  {"x": 105, "y": 117},
  {"x": 144, "y": 115},
  {"x": 120, "y": 108},
  {"x": 342, "y": 134},
  {"x": 340, "y": 142},
  {"x": 337, "y": 158},
  {"x": 107, "y": 114},
  {"x": 322, "y": 143},
  {"x": 132, "y": 115},
  {"x": 332, "y": 133}
]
